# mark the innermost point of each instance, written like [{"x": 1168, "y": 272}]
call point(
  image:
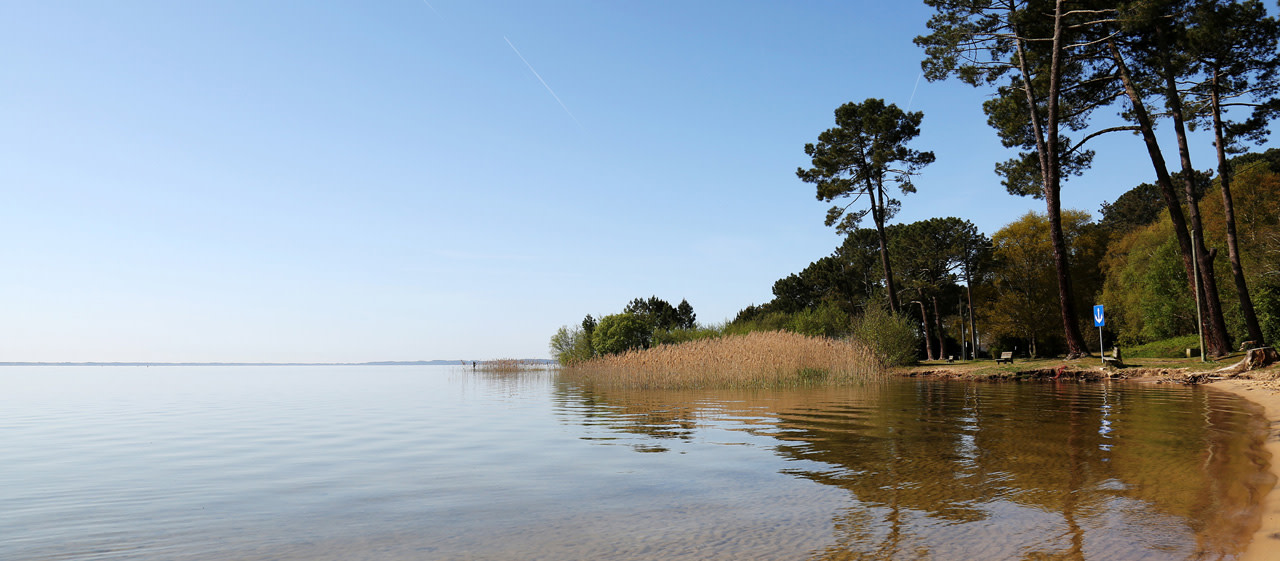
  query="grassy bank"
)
[
  {"x": 1091, "y": 368},
  {"x": 753, "y": 360}
]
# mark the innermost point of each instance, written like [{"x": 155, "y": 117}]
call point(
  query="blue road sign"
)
[{"x": 1099, "y": 319}]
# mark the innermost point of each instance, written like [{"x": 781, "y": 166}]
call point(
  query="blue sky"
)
[{"x": 400, "y": 180}]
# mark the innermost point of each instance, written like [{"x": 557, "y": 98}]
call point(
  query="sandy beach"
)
[{"x": 1266, "y": 541}]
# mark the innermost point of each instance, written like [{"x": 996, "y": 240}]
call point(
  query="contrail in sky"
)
[
  {"x": 433, "y": 8},
  {"x": 544, "y": 83},
  {"x": 913, "y": 89}
]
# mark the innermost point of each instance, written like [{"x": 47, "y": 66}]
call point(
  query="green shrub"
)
[
  {"x": 1266, "y": 301},
  {"x": 891, "y": 337},
  {"x": 760, "y": 321},
  {"x": 826, "y": 320},
  {"x": 621, "y": 332}
]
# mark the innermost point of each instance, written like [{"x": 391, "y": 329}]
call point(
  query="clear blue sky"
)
[{"x": 402, "y": 179}]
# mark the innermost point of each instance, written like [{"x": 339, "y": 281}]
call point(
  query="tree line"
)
[
  {"x": 964, "y": 290},
  {"x": 1052, "y": 65},
  {"x": 641, "y": 324},
  {"x": 1164, "y": 67}
]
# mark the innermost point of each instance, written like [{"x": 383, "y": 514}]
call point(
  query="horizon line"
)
[{"x": 436, "y": 362}]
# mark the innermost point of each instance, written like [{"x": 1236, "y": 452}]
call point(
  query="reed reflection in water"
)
[{"x": 953, "y": 470}]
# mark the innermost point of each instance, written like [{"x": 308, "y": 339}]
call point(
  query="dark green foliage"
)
[
  {"x": 1233, "y": 48},
  {"x": 657, "y": 313},
  {"x": 825, "y": 320},
  {"x": 826, "y": 296},
  {"x": 867, "y": 147},
  {"x": 1139, "y": 206},
  {"x": 685, "y": 318},
  {"x": 1271, "y": 157},
  {"x": 847, "y": 278}
]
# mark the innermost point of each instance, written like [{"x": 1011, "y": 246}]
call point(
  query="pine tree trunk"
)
[
  {"x": 1217, "y": 341},
  {"x": 937, "y": 323},
  {"x": 973, "y": 331},
  {"x": 877, "y": 215},
  {"x": 1229, "y": 213},
  {"x": 1163, "y": 179},
  {"x": 1047, "y": 146},
  {"x": 924, "y": 324}
]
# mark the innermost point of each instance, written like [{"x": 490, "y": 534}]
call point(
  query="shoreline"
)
[
  {"x": 1265, "y": 544},
  {"x": 1260, "y": 387}
]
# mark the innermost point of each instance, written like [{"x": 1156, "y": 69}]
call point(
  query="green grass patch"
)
[{"x": 1175, "y": 347}]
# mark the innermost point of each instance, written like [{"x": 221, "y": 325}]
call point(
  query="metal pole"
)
[
  {"x": 1195, "y": 268},
  {"x": 973, "y": 329},
  {"x": 1102, "y": 349}
]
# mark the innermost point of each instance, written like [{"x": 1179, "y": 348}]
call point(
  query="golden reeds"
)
[
  {"x": 759, "y": 359},
  {"x": 507, "y": 365}
]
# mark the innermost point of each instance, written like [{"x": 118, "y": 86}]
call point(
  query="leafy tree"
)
[
  {"x": 570, "y": 345},
  {"x": 655, "y": 312},
  {"x": 1045, "y": 60},
  {"x": 1023, "y": 280},
  {"x": 1145, "y": 293},
  {"x": 866, "y": 150},
  {"x": 618, "y": 333}
]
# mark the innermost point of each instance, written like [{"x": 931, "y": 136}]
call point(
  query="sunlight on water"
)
[{"x": 390, "y": 463}]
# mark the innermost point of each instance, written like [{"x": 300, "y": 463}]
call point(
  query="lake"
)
[{"x": 400, "y": 462}]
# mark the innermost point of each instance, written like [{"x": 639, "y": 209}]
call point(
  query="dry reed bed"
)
[
  {"x": 507, "y": 365},
  {"x": 760, "y": 359}
]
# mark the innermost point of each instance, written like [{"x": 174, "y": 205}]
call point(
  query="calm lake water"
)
[{"x": 425, "y": 463}]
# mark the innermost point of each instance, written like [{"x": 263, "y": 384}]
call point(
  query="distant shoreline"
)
[{"x": 377, "y": 363}]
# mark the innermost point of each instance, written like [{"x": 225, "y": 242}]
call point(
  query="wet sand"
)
[{"x": 1266, "y": 541}]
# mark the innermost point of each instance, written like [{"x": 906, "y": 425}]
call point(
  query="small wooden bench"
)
[{"x": 1006, "y": 356}]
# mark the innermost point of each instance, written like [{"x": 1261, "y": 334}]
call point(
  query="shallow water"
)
[{"x": 390, "y": 463}]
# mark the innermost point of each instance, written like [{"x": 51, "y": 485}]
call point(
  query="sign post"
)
[{"x": 1099, "y": 320}]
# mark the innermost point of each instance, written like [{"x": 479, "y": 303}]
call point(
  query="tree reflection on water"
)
[{"x": 950, "y": 470}]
